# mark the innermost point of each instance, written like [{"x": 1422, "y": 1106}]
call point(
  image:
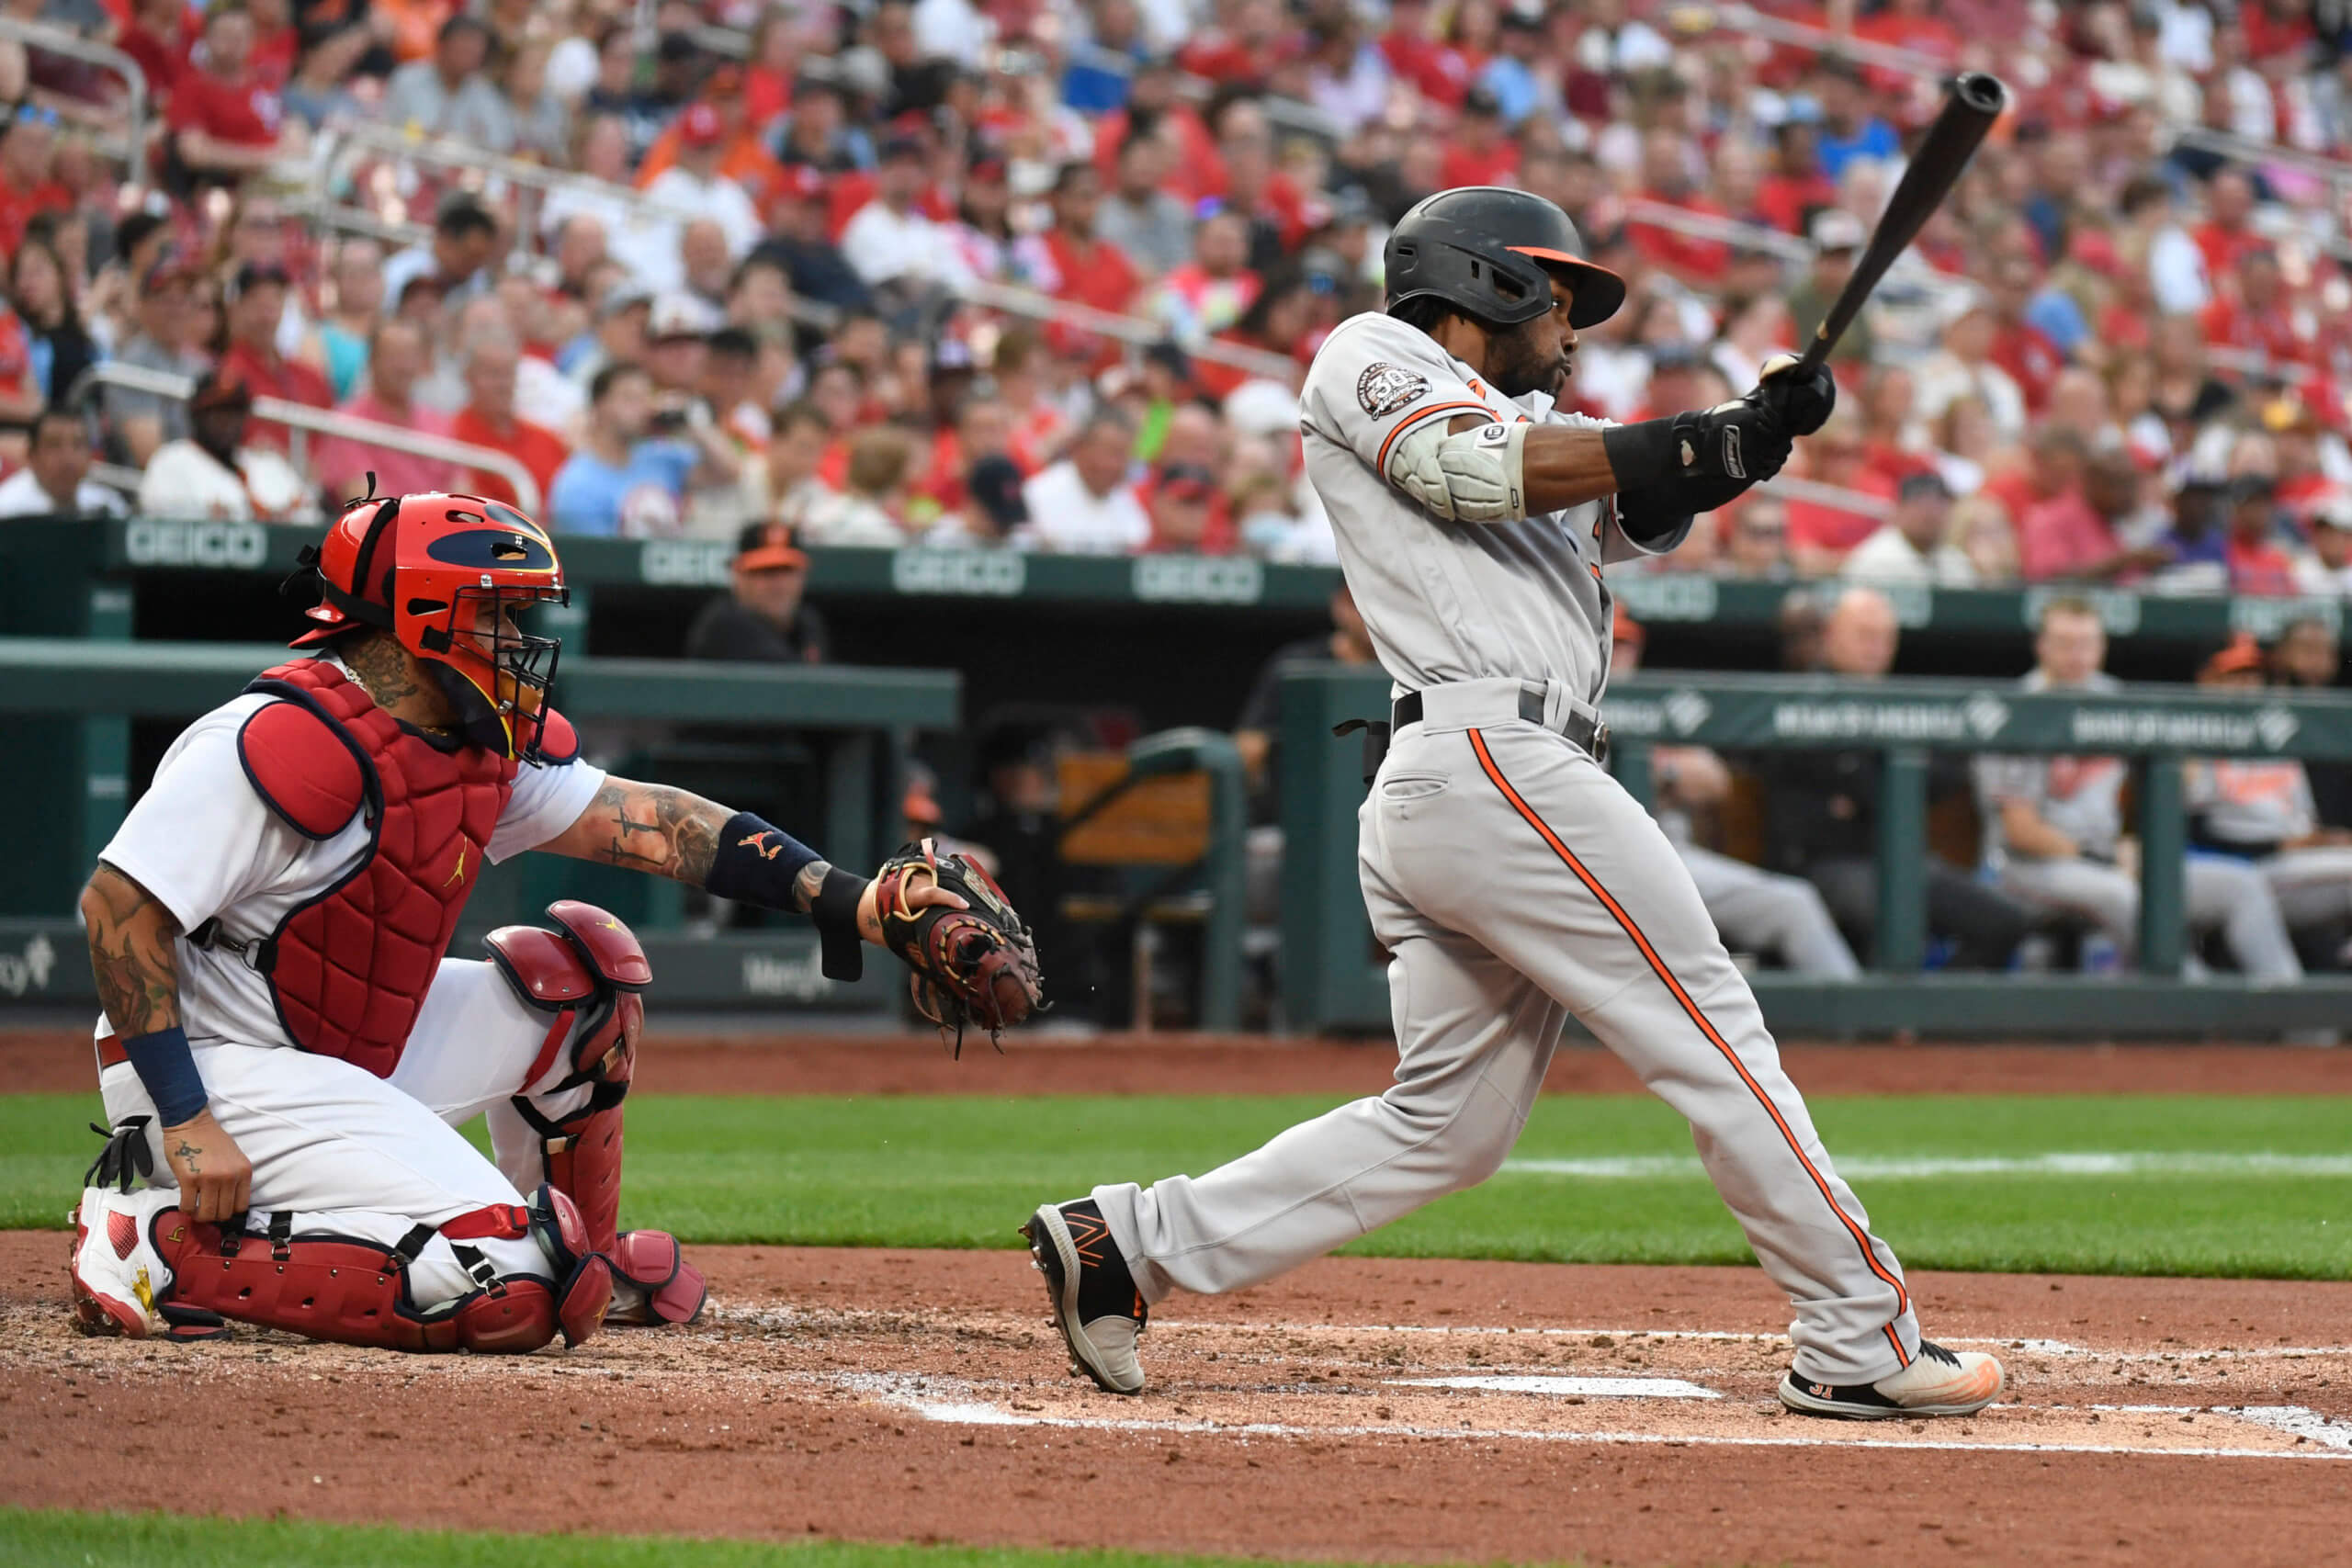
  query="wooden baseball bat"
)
[{"x": 1976, "y": 101}]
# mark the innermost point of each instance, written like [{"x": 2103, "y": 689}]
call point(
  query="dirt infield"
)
[
  {"x": 1359, "y": 1408},
  {"x": 675, "y": 1062}
]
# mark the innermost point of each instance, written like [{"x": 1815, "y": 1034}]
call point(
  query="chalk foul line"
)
[{"x": 1904, "y": 1168}]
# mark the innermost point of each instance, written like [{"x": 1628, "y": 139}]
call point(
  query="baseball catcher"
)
[{"x": 286, "y": 1051}]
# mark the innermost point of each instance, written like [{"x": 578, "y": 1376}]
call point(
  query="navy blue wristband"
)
[
  {"x": 756, "y": 863},
  {"x": 167, "y": 1067}
]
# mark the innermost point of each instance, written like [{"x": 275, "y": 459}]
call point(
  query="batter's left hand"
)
[{"x": 1802, "y": 402}]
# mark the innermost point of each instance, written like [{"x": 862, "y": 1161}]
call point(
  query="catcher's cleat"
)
[
  {"x": 115, "y": 1271},
  {"x": 1096, "y": 1305},
  {"x": 1937, "y": 1382}
]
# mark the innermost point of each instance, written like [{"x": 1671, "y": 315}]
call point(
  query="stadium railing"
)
[
  {"x": 74, "y": 46},
  {"x": 305, "y": 419},
  {"x": 1333, "y": 979}
]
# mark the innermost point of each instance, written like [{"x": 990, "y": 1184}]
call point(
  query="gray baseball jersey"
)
[
  {"x": 2080, "y": 797},
  {"x": 1513, "y": 882},
  {"x": 2252, "y": 803},
  {"x": 1451, "y": 601}
]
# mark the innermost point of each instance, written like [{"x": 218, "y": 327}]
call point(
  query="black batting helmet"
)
[{"x": 1489, "y": 250}]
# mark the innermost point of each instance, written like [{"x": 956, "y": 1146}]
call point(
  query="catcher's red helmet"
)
[{"x": 444, "y": 575}]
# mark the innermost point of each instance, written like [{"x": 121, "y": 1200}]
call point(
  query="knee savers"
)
[
  {"x": 587, "y": 976},
  {"x": 351, "y": 1292}
]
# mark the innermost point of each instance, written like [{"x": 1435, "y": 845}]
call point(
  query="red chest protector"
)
[{"x": 348, "y": 968}]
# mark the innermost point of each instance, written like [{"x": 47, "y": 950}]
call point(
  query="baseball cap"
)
[
  {"x": 2241, "y": 655},
  {"x": 681, "y": 315},
  {"x": 900, "y": 144},
  {"x": 700, "y": 127},
  {"x": 622, "y": 296},
  {"x": 1922, "y": 483},
  {"x": 768, "y": 546},
  {"x": 995, "y": 487},
  {"x": 802, "y": 182},
  {"x": 221, "y": 389},
  {"x": 171, "y": 264},
  {"x": 2333, "y": 510},
  {"x": 1836, "y": 230}
]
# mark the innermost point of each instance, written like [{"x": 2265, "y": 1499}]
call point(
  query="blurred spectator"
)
[
  {"x": 214, "y": 471},
  {"x": 866, "y": 511},
  {"x": 2054, "y": 827},
  {"x": 1083, "y": 505},
  {"x": 1847, "y": 128},
  {"x": 344, "y": 467},
  {"x": 1208, "y": 293},
  {"x": 1756, "y": 537},
  {"x": 344, "y": 332},
  {"x": 781, "y": 484},
  {"x": 455, "y": 260},
  {"x": 799, "y": 241},
  {"x": 166, "y": 343},
  {"x": 762, "y": 618},
  {"x": 2066, "y": 526},
  {"x": 488, "y": 419},
  {"x": 1755, "y": 911},
  {"x": 225, "y": 119},
  {"x": 1138, "y": 215},
  {"x": 56, "y": 482},
  {"x": 891, "y": 240},
  {"x": 1838, "y": 237},
  {"x": 623, "y": 479},
  {"x": 1913, "y": 546},
  {"x": 448, "y": 93},
  {"x": 257, "y": 303},
  {"x": 2262, "y": 810},
  {"x": 60, "y": 347},
  {"x": 1821, "y": 533},
  {"x": 28, "y": 183},
  {"x": 2308, "y": 658},
  {"x": 1963, "y": 366},
  {"x": 1821, "y": 813},
  {"x": 1183, "y": 513},
  {"x": 1068, "y": 260},
  {"x": 1980, "y": 527},
  {"x": 2257, "y": 564},
  {"x": 694, "y": 183},
  {"x": 993, "y": 511},
  {"x": 2324, "y": 569}
]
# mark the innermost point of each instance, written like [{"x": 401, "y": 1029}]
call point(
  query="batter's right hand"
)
[{"x": 216, "y": 1178}]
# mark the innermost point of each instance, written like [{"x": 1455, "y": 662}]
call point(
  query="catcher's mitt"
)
[{"x": 971, "y": 965}]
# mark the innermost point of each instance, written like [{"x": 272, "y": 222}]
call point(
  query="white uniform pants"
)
[
  {"x": 1762, "y": 911},
  {"x": 2314, "y": 886},
  {"x": 347, "y": 1153},
  {"x": 1515, "y": 882},
  {"x": 2231, "y": 896}
]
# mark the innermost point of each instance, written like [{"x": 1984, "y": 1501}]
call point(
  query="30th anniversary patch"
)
[{"x": 1384, "y": 388}]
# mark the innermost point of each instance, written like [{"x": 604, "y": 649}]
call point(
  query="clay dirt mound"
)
[{"x": 1364, "y": 1408}]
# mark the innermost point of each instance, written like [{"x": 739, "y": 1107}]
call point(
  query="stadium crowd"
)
[{"x": 2123, "y": 355}]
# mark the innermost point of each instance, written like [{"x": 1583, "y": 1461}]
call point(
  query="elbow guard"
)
[{"x": 1475, "y": 476}]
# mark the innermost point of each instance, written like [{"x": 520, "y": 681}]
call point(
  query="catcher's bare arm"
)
[{"x": 982, "y": 967}]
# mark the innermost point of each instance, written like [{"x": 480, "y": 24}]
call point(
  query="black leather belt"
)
[{"x": 1582, "y": 731}]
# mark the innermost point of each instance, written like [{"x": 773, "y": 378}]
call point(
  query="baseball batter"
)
[
  {"x": 1511, "y": 879},
  {"x": 2053, "y": 826},
  {"x": 286, "y": 1052}
]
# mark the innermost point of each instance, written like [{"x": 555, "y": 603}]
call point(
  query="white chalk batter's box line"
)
[
  {"x": 1911, "y": 1167},
  {"x": 2052, "y": 1347},
  {"x": 937, "y": 1399}
]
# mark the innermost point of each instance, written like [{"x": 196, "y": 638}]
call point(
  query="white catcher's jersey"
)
[
  {"x": 2080, "y": 797},
  {"x": 1448, "y": 601},
  {"x": 203, "y": 843}
]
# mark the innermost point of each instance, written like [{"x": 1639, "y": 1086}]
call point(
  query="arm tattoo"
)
[
  {"x": 130, "y": 953},
  {"x": 655, "y": 829},
  {"x": 805, "y": 885}
]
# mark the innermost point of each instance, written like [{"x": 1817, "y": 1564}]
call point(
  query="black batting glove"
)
[
  {"x": 1743, "y": 441},
  {"x": 1802, "y": 399}
]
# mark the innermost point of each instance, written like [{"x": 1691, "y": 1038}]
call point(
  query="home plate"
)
[{"x": 1581, "y": 1388}]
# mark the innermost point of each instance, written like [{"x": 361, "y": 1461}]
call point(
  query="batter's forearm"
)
[
  {"x": 1566, "y": 467},
  {"x": 132, "y": 955}
]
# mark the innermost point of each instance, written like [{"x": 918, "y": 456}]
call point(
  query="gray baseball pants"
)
[
  {"x": 1514, "y": 882},
  {"x": 2231, "y": 894}
]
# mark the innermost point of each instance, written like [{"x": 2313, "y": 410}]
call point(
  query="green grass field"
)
[
  {"x": 2132, "y": 1185},
  {"x": 31, "y": 1539}
]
